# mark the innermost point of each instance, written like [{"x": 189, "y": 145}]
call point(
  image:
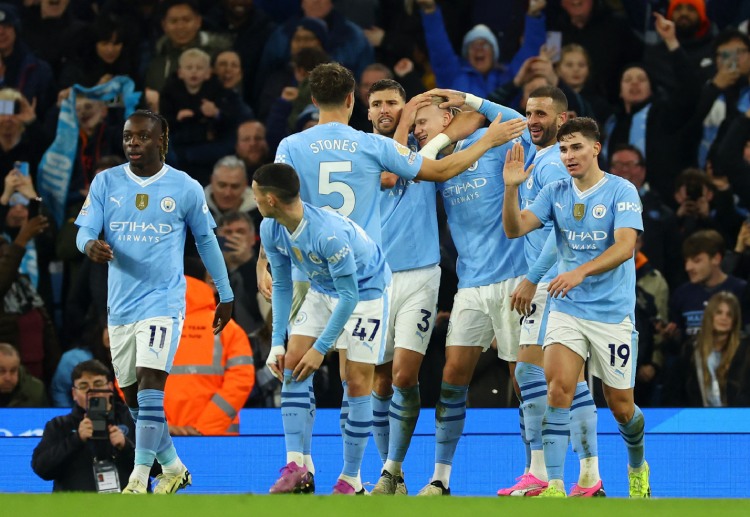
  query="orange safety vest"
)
[{"x": 212, "y": 376}]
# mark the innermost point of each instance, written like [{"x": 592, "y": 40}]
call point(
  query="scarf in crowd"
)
[
  {"x": 56, "y": 167},
  {"x": 636, "y": 135},
  {"x": 21, "y": 297}
]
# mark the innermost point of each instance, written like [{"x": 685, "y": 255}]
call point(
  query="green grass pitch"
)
[{"x": 115, "y": 505}]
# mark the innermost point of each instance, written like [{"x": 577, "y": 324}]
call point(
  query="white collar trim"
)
[
  {"x": 145, "y": 182},
  {"x": 590, "y": 191}
]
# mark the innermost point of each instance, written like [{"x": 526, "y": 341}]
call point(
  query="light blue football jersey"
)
[
  {"x": 547, "y": 169},
  {"x": 585, "y": 224},
  {"x": 474, "y": 204},
  {"x": 409, "y": 218},
  {"x": 145, "y": 222},
  {"x": 491, "y": 110},
  {"x": 339, "y": 169},
  {"x": 327, "y": 245}
]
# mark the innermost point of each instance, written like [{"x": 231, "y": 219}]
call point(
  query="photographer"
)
[{"x": 91, "y": 449}]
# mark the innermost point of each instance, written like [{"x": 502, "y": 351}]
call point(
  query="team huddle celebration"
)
[{"x": 372, "y": 207}]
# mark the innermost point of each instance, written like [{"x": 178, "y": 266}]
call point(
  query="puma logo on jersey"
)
[
  {"x": 117, "y": 201},
  {"x": 561, "y": 207}
]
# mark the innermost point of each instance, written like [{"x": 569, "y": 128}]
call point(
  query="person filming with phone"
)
[
  {"x": 24, "y": 319},
  {"x": 91, "y": 449}
]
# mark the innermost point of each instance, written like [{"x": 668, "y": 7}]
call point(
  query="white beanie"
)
[{"x": 480, "y": 31}]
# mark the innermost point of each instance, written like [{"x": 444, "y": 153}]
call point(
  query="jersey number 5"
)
[{"x": 326, "y": 186}]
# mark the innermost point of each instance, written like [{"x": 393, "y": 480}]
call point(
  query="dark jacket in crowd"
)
[
  {"x": 669, "y": 147},
  {"x": 690, "y": 393},
  {"x": 63, "y": 458},
  {"x": 29, "y": 392}
]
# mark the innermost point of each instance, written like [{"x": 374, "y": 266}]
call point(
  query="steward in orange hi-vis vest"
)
[{"x": 212, "y": 375}]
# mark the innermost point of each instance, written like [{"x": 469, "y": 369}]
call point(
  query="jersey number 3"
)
[{"x": 326, "y": 186}]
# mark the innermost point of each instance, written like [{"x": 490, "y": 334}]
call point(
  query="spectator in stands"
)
[
  {"x": 181, "y": 21},
  {"x": 661, "y": 238},
  {"x": 250, "y": 28},
  {"x": 17, "y": 387},
  {"x": 212, "y": 375},
  {"x": 346, "y": 44},
  {"x": 228, "y": 69},
  {"x": 610, "y": 42},
  {"x": 307, "y": 45},
  {"x": 201, "y": 113},
  {"x": 701, "y": 206},
  {"x": 104, "y": 51},
  {"x": 286, "y": 109},
  {"x": 574, "y": 71},
  {"x": 654, "y": 123},
  {"x": 239, "y": 236},
  {"x": 715, "y": 365},
  {"x": 535, "y": 73},
  {"x": 69, "y": 454},
  {"x": 93, "y": 344},
  {"x": 251, "y": 146},
  {"x": 23, "y": 70},
  {"x": 479, "y": 70},
  {"x": 22, "y": 136},
  {"x": 51, "y": 31},
  {"x": 651, "y": 310},
  {"x": 703, "y": 252},
  {"x": 695, "y": 33},
  {"x": 733, "y": 156},
  {"x": 24, "y": 319},
  {"x": 725, "y": 96},
  {"x": 229, "y": 190}
]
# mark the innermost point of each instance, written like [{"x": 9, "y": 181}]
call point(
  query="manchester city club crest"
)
[
  {"x": 579, "y": 210},
  {"x": 168, "y": 204},
  {"x": 599, "y": 211},
  {"x": 141, "y": 201}
]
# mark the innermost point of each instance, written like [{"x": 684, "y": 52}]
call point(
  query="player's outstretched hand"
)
[
  {"x": 564, "y": 282},
  {"x": 309, "y": 364},
  {"x": 99, "y": 251},
  {"x": 513, "y": 172},
  {"x": 520, "y": 300},
  {"x": 416, "y": 103},
  {"x": 500, "y": 133},
  {"x": 222, "y": 316},
  {"x": 456, "y": 99}
]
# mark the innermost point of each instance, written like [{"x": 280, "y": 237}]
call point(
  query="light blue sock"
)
[
  {"x": 150, "y": 426},
  {"x": 526, "y": 442},
  {"x": 555, "y": 436},
  {"x": 450, "y": 417},
  {"x": 633, "y": 434},
  {"x": 307, "y": 439},
  {"x": 344, "y": 413},
  {"x": 534, "y": 394},
  {"x": 403, "y": 415},
  {"x": 295, "y": 409},
  {"x": 583, "y": 420},
  {"x": 380, "y": 426},
  {"x": 356, "y": 433}
]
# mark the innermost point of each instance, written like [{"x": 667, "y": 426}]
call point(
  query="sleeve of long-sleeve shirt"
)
[{"x": 239, "y": 379}]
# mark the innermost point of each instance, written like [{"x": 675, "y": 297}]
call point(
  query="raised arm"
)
[{"x": 516, "y": 222}]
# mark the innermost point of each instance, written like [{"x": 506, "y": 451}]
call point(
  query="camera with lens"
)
[{"x": 99, "y": 411}]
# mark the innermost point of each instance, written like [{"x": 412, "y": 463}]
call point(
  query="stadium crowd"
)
[{"x": 231, "y": 78}]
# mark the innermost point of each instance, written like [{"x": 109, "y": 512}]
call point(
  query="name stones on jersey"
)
[
  {"x": 141, "y": 201},
  {"x": 579, "y": 210},
  {"x": 298, "y": 254},
  {"x": 402, "y": 149}
]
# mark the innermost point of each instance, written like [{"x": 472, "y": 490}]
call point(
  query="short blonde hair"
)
[{"x": 195, "y": 53}]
